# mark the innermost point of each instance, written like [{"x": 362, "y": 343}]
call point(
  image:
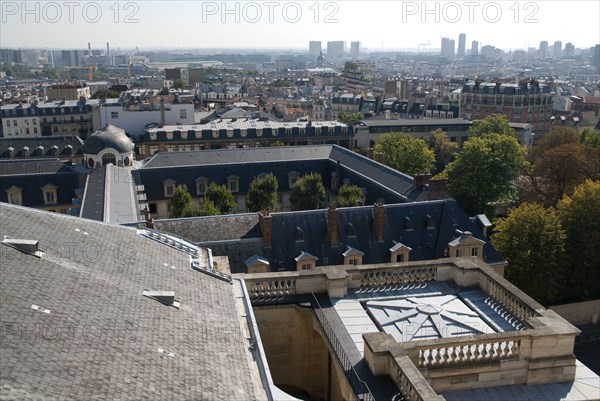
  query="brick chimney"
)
[
  {"x": 379, "y": 221},
  {"x": 264, "y": 223},
  {"x": 332, "y": 225},
  {"x": 378, "y": 157},
  {"x": 437, "y": 189}
]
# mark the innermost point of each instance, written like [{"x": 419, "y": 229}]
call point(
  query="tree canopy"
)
[
  {"x": 308, "y": 192},
  {"x": 349, "y": 196},
  {"x": 181, "y": 203},
  {"x": 590, "y": 137},
  {"x": 483, "y": 171},
  {"x": 580, "y": 215},
  {"x": 444, "y": 150},
  {"x": 347, "y": 117},
  {"x": 532, "y": 240},
  {"x": 494, "y": 124},
  {"x": 106, "y": 93},
  {"x": 179, "y": 84},
  {"x": 405, "y": 154},
  {"x": 222, "y": 199},
  {"x": 263, "y": 195}
]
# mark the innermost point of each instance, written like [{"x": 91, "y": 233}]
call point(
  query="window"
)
[
  {"x": 153, "y": 208},
  {"x": 183, "y": 113},
  {"x": 35, "y": 130},
  {"x": 15, "y": 123},
  {"x": 49, "y": 193},
  {"x": 34, "y": 121},
  {"x": 201, "y": 184},
  {"x": 400, "y": 258},
  {"x": 8, "y": 123},
  {"x": 350, "y": 230},
  {"x": 169, "y": 190},
  {"x": 14, "y": 195},
  {"x": 55, "y": 128},
  {"x": 474, "y": 251},
  {"x": 299, "y": 234},
  {"x": 408, "y": 224},
  {"x": 27, "y": 131},
  {"x": 353, "y": 262},
  {"x": 306, "y": 266},
  {"x": 169, "y": 187},
  {"x": 114, "y": 115},
  {"x": 233, "y": 183},
  {"x": 429, "y": 222}
]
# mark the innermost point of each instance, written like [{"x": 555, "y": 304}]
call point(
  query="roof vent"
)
[
  {"x": 164, "y": 297},
  {"x": 28, "y": 246}
]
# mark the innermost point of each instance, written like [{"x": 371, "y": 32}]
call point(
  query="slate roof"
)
[
  {"x": 32, "y": 174},
  {"x": 108, "y": 137},
  {"x": 378, "y": 180},
  {"x": 52, "y": 146},
  {"x": 101, "y": 338},
  {"x": 425, "y": 243}
]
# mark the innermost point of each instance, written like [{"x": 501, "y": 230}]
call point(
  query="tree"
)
[
  {"x": 220, "y": 196},
  {"x": 554, "y": 139},
  {"x": 580, "y": 215},
  {"x": 483, "y": 171},
  {"x": 494, "y": 124},
  {"x": 207, "y": 208},
  {"x": 405, "y": 154},
  {"x": 262, "y": 194},
  {"x": 590, "y": 137},
  {"x": 178, "y": 84},
  {"x": 557, "y": 171},
  {"x": 106, "y": 93},
  {"x": 532, "y": 240},
  {"x": 347, "y": 117},
  {"x": 349, "y": 196},
  {"x": 308, "y": 192},
  {"x": 444, "y": 150},
  {"x": 181, "y": 202}
]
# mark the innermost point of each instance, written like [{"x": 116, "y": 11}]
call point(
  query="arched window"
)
[
  {"x": 109, "y": 158},
  {"x": 91, "y": 162},
  {"x": 350, "y": 230}
]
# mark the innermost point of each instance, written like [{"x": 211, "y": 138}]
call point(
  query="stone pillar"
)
[
  {"x": 332, "y": 225},
  {"x": 264, "y": 222},
  {"x": 379, "y": 221}
]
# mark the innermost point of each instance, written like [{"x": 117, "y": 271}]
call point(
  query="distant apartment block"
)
[
  {"x": 314, "y": 48},
  {"x": 447, "y": 49},
  {"x": 336, "y": 49},
  {"x": 462, "y": 38},
  {"x": 355, "y": 50},
  {"x": 524, "y": 102},
  {"x": 68, "y": 91}
]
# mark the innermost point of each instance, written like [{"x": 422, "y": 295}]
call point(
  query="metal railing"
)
[{"x": 359, "y": 387}]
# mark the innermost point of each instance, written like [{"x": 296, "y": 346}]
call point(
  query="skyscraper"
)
[
  {"x": 336, "y": 49},
  {"x": 354, "y": 49},
  {"x": 474, "y": 48},
  {"x": 544, "y": 49},
  {"x": 314, "y": 48},
  {"x": 462, "y": 38},
  {"x": 447, "y": 48},
  {"x": 557, "y": 52},
  {"x": 569, "y": 50}
]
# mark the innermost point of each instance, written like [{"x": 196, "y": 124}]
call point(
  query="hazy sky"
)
[{"x": 291, "y": 24}]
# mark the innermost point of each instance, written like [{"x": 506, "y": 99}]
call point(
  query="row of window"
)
[{"x": 49, "y": 193}]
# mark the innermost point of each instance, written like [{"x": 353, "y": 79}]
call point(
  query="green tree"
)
[
  {"x": 220, "y": 196},
  {"x": 590, "y": 137},
  {"x": 308, "y": 192},
  {"x": 349, "y": 196},
  {"x": 532, "y": 241},
  {"x": 580, "y": 215},
  {"x": 444, "y": 150},
  {"x": 483, "y": 171},
  {"x": 262, "y": 194},
  {"x": 106, "y": 93},
  {"x": 178, "y": 84},
  {"x": 553, "y": 139},
  {"x": 181, "y": 202},
  {"x": 494, "y": 124},
  {"x": 347, "y": 117},
  {"x": 405, "y": 154},
  {"x": 207, "y": 208}
]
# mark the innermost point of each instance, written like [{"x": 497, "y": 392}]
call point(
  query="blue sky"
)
[{"x": 291, "y": 24}]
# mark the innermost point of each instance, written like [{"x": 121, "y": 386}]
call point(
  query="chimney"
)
[
  {"x": 370, "y": 153},
  {"x": 378, "y": 157},
  {"x": 332, "y": 225},
  {"x": 418, "y": 180},
  {"x": 379, "y": 221},
  {"x": 162, "y": 112},
  {"x": 264, "y": 223},
  {"x": 437, "y": 189}
]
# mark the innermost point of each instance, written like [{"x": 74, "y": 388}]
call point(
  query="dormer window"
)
[
  {"x": 408, "y": 224},
  {"x": 429, "y": 222},
  {"x": 292, "y": 178},
  {"x": 54, "y": 150},
  {"x": 15, "y": 195},
  {"x": 299, "y": 234},
  {"x": 68, "y": 150},
  {"x": 350, "y": 230},
  {"x": 25, "y": 151},
  {"x": 10, "y": 152},
  {"x": 49, "y": 193},
  {"x": 201, "y": 184},
  {"x": 233, "y": 183},
  {"x": 169, "y": 187}
]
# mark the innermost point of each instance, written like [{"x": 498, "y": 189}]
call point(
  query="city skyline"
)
[{"x": 291, "y": 25}]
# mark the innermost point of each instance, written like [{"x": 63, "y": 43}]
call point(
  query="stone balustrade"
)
[{"x": 395, "y": 275}]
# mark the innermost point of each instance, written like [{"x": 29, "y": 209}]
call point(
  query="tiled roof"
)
[{"x": 76, "y": 325}]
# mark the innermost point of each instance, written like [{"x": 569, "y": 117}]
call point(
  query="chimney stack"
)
[
  {"x": 332, "y": 225},
  {"x": 264, "y": 223},
  {"x": 379, "y": 221}
]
